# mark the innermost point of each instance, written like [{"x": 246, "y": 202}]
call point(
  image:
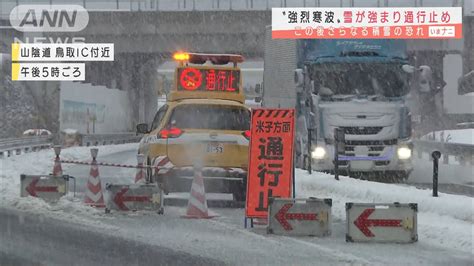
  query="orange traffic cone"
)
[
  {"x": 94, "y": 196},
  {"x": 140, "y": 176},
  {"x": 197, "y": 203},
  {"x": 57, "y": 169}
]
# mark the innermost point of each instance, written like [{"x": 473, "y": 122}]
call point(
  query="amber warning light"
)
[
  {"x": 181, "y": 56},
  {"x": 216, "y": 59}
]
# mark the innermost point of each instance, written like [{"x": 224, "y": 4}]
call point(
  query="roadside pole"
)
[
  {"x": 293, "y": 178},
  {"x": 310, "y": 159},
  {"x": 339, "y": 147},
  {"x": 436, "y": 155}
]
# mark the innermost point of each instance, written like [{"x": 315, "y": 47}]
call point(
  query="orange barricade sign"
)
[{"x": 270, "y": 159}]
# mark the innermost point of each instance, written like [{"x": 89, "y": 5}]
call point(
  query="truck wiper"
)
[
  {"x": 360, "y": 53},
  {"x": 343, "y": 97}
]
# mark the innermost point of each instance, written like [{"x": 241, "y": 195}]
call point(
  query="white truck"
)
[{"x": 358, "y": 86}]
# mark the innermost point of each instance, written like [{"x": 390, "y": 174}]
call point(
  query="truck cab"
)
[{"x": 358, "y": 86}]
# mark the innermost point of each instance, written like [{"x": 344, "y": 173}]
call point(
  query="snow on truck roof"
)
[{"x": 348, "y": 49}]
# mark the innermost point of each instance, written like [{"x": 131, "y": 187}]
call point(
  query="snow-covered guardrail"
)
[
  {"x": 11, "y": 146},
  {"x": 108, "y": 139},
  {"x": 462, "y": 152},
  {"x": 16, "y": 146}
]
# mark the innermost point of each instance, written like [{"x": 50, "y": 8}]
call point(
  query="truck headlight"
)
[
  {"x": 404, "y": 153},
  {"x": 318, "y": 153}
]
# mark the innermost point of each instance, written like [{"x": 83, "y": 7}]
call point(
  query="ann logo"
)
[
  {"x": 49, "y": 18},
  {"x": 30, "y": 18}
]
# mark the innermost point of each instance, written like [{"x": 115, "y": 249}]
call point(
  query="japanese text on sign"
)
[
  {"x": 270, "y": 159},
  {"x": 48, "y": 71},
  {"x": 369, "y": 23},
  {"x": 62, "y": 52},
  {"x": 208, "y": 79}
]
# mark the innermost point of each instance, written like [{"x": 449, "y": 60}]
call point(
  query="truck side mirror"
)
[
  {"x": 258, "y": 99},
  {"x": 312, "y": 87},
  {"x": 408, "y": 69},
  {"x": 466, "y": 83},
  {"x": 142, "y": 128},
  {"x": 299, "y": 77},
  {"x": 425, "y": 78}
]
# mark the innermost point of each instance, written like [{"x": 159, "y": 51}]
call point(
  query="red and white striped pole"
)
[
  {"x": 57, "y": 169},
  {"x": 94, "y": 196},
  {"x": 141, "y": 174}
]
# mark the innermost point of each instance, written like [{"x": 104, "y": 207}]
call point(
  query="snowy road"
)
[
  {"x": 224, "y": 238},
  {"x": 453, "y": 179},
  {"x": 32, "y": 240},
  {"x": 148, "y": 239}
]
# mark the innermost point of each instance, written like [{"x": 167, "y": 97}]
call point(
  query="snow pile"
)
[
  {"x": 450, "y": 214},
  {"x": 463, "y": 136},
  {"x": 40, "y": 163},
  {"x": 67, "y": 209},
  {"x": 70, "y": 131}
]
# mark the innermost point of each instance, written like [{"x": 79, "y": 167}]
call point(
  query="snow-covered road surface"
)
[
  {"x": 42, "y": 240},
  {"x": 445, "y": 224}
]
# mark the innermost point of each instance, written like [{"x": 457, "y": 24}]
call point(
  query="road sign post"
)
[
  {"x": 310, "y": 144},
  {"x": 394, "y": 223},
  {"x": 47, "y": 187},
  {"x": 339, "y": 147},
  {"x": 299, "y": 217},
  {"x": 436, "y": 155},
  {"x": 270, "y": 159}
]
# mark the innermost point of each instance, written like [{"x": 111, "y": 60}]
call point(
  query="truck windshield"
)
[
  {"x": 387, "y": 80},
  {"x": 217, "y": 117}
]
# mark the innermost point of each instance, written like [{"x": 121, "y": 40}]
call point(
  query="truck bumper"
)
[{"x": 388, "y": 162}]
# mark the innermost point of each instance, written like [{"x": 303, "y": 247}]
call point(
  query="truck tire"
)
[
  {"x": 149, "y": 171},
  {"x": 239, "y": 195},
  {"x": 239, "y": 191},
  {"x": 396, "y": 177}
]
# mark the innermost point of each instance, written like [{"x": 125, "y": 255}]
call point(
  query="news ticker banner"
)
[
  {"x": 367, "y": 23},
  {"x": 28, "y": 60}
]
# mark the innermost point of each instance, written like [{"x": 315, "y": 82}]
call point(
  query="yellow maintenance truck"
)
[{"x": 204, "y": 123}]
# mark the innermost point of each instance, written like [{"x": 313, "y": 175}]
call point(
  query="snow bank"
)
[
  {"x": 70, "y": 131},
  {"x": 42, "y": 163},
  {"x": 463, "y": 136},
  {"x": 450, "y": 214}
]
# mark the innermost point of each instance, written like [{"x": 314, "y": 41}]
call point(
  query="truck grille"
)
[
  {"x": 361, "y": 130},
  {"x": 375, "y": 148},
  {"x": 372, "y": 153},
  {"x": 371, "y": 142}
]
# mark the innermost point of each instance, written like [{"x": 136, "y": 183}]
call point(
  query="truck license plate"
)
[{"x": 215, "y": 147}]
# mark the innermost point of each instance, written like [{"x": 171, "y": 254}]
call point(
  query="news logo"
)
[{"x": 49, "y": 18}]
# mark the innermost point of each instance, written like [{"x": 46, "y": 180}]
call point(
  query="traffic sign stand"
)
[
  {"x": 47, "y": 187},
  {"x": 271, "y": 170},
  {"x": 386, "y": 223},
  {"x": 339, "y": 148},
  {"x": 299, "y": 217},
  {"x": 133, "y": 197}
]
